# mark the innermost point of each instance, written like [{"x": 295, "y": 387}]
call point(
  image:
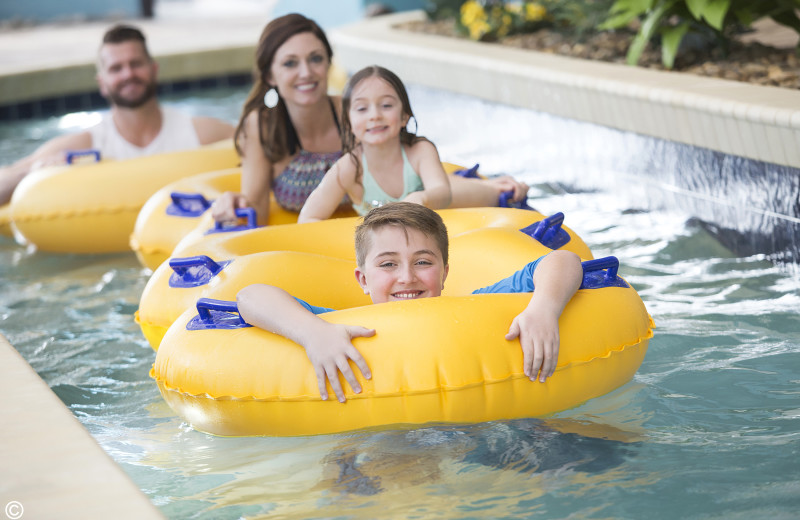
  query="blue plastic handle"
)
[
  {"x": 548, "y": 231},
  {"x": 194, "y": 271},
  {"x": 247, "y": 213},
  {"x": 504, "y": 201},
  {"x": 187, "y": 204},
  {"x": 72, "y": 155},
  {"x": 601, "y": 272},
  {"x": 216, "y": 314},
  {"x": 469, "y": 173},
  {"x": 206, "y": 305}
]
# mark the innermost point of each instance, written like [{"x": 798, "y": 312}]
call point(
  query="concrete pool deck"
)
[
  {"x": 52, "y": 467},
  {"x": 188, "y": 40},
  {"x": 68, "y": 475}
]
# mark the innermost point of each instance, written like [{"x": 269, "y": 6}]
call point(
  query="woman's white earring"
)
[{"x": 271, "y": 98}]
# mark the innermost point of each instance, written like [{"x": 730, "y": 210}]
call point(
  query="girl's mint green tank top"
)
[{"x": 374, "y": 196}]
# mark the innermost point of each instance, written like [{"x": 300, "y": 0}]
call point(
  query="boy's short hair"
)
[
  {"x": 407, "y": 215},
  {"x": 122, "y": 33}
]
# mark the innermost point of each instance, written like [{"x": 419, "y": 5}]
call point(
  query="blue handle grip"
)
[
  {"x": 548, "y": 231},
  {"x": 216, "y": 314},
  {"x": 247, "y": 213},
  {"x": 601, "y": 272},
  {"x": 504, "y": 201},
  {"x": 206, "y": 305},
  {"x": 469, "y": 173},
  {"x": 72, "y": 155},
  {"x": 549, "y": 226},
  {"x": 187, "y": 204},
  {"x": 194, "y": 271}
]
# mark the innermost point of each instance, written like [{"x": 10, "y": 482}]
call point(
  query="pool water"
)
[{"x": 708, "y": 428}]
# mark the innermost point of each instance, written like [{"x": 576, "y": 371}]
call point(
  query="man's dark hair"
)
[{"x": 125, "y": 33}]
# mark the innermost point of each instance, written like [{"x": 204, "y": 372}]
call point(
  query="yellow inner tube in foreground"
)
[
  {"x": 435, "y": 360},
  {"x": 92, "y": 208},
  {"x": 475, "y": 234}
]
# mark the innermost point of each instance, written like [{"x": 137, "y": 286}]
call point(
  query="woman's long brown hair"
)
[{"x": 274, "y": 123}]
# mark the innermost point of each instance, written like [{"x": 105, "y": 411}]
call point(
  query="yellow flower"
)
[
  {"x": 478, "y": 29},
  {"x": 534, "y": 12},
  {"x": 472, "y": 12}
]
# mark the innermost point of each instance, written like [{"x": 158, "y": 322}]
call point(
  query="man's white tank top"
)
[{"x": 177, "y": 133}]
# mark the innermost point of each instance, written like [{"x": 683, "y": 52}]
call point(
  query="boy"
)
[{"x": 402, "y": 254}]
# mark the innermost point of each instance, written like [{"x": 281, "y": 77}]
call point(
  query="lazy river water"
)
[{"x": 708, "y": 428}]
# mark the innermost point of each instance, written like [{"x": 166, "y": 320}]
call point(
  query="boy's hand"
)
[
  {"x": 329, "y": 355},
  {"x": 537, "y": 330}
]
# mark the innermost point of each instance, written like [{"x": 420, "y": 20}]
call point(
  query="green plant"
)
[
  {"x": 672, "y": 20},
  {"x": 577, "y": 17}
]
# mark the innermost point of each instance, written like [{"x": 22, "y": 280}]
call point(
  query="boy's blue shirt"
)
[{"x": 519, "y": 282}]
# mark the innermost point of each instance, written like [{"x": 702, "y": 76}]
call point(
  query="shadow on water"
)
[{"x": 369, "y": 464}]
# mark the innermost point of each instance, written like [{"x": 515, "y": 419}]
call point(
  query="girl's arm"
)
[
  {"x": 426, "y": 162},
  {"x": 256, "y": 178},
  {"x": 328, "y": 346},
  {"x": 556, "y": 279},
  {"x": 326, "y": 197},
  {"x": 469, "y": 193}
]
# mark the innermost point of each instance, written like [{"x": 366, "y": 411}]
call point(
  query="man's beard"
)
[{"x": 147, "y": 95}]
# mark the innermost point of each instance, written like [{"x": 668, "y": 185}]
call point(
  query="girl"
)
[{"x": 382, "y": 162}]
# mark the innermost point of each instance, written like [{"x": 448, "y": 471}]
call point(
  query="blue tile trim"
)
[{"x": 57, "y": 106}]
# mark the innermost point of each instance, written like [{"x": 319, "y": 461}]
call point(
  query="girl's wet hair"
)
[{"x": 277, "y": 136}]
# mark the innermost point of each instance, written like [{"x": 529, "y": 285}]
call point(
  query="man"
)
[{"x": 136, "y": 125}]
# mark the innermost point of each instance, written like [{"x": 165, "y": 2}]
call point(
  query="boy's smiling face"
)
[{"x": 401, "y": 264}]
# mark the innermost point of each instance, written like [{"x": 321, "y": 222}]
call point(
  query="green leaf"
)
[
  {"x": 745, "y": 16},
  {"x": 625, "y": 11},
  {"x": 697, "y": 8},
  {"x": 649, "y": 26},
  {"x": 670, "y": 43},
  {"x": 715, "y": 12}
]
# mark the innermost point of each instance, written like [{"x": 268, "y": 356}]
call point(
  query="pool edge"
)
[{"x": 53, "y": 468}]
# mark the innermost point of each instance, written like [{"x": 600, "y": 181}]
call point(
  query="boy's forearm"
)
[{"x": 273, "y": 309}]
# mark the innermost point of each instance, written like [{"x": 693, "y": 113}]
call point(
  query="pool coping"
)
[
  {"x": 52, "y": 60},
  {"x": 753, "y": 121},
  {"x": 52, "y": 466}
]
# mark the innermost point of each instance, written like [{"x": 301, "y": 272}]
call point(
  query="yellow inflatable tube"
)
[
  {"x": 163, "y": 300},
  {"x": 334, "y": 237},
  {"x": 92, "y": 208},
  {"x": 5, "y": 221},
  {"x": 177, "y": 209},
  {"x": 436, "y": 360}
]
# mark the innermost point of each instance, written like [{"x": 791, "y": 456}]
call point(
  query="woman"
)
[{"x": 289, "y": 133}]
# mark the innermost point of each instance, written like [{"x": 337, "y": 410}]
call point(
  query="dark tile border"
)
[{"x": 60, "y": 105}]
